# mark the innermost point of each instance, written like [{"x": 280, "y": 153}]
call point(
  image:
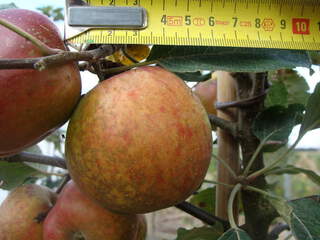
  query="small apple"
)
[
  {"x": 19, "y": 212},
  {"x": 77, "y": 214},
  {"x": 207, "y": 93},
  {"x": 139, "y": 141},
  {"x": 33, "y": 103}
]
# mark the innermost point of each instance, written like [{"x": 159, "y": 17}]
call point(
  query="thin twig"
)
[
  {"x": 45, "y": 50},
  {"x": 35, "y": 158},
  {"x": 63, "y": 183},
  {"x": 234, "y": 175},
  {"x": 240, "y": 103},
  {"x": 41, "y": 63}
]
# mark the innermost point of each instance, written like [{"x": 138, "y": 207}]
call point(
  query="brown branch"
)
[
  {"x": 42, "y": 63},
  {"x": 229, "y": 126},
  {"x": 35, "y": 158}
]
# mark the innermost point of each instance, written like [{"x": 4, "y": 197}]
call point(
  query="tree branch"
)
[
  {"x": 35, "y": 158},
  {"x": 42, "y": 63},
  {"x": 223, "y": 124}
]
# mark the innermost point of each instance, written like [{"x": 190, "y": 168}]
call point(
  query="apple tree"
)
[{"x": 141, "y": 140}]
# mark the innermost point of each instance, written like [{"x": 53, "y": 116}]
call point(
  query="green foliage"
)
[
  {"x": 277, "y": 95},
  {"x": 315, "y": 57},
  {"x": 7, "y": 5},
  {"x": 193, "y": 76},
  {"x": 305, "y": 218},
  {"x": 276, "y": 123},
  {"x": 192, "y": 59},
  {"x": 55, "y": 13},
  {"x": 14, "y": 174},
  {"x": 312, "y": 117},
  {"x": 289, "y": 169},
  {"x": 295, "y": 86},
  {"x": 235, "y": 234},
  {"x": 203, "y": 233},
  {"x": 205, "y": 199}
]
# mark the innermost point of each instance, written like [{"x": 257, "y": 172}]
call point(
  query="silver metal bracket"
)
[{"x": 80, "y": 18}]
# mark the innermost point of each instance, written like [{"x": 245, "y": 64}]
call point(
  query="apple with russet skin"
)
[
  {"x": 207, "y": 93},
  {"x": 139, "y": 141},
  {"x": 20, "y": 210},
  {"x": 33, "y": 103},
  {"x": 77, "y": 214}
]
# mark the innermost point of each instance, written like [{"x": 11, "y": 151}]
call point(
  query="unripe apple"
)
[
  {"x": 139, "y": 141},
  {"x": 19, "y": 212},
  {"x": 207, "y": 93},
  {"x": 33, "y": 103},
  {"x": 75, "y": 213}
]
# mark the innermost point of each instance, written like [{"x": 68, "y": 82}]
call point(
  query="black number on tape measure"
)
[
  {"x": 211, "y": 21},
  {"x": 164, "y": 19},
  {"x": 283, "y": 24},
  {"x": 258, "y": 22},
  {"x": 112, "y": 2},
  {"x": 235, "y": 21},
  {"x": 187, "y": 20},
  {"x": 135, "y": 2},
  {"x": 110, "y": 33}
]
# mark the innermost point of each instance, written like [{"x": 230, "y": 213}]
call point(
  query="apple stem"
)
[
  {"x": 35, "y": 158},
  {"x": 45, "y": 50},
  {"x": 66, "y": 179},
  {"x": 125, "y": 68}
]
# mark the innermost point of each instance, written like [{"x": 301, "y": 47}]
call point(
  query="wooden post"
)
[{"x": 228, "y": 147}]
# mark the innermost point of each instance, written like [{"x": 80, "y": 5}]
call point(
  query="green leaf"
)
[
  {"x": 278, "y": 121},
  {"x": 289, "y": 169},
  {"x": 193, "y": 76},
  {"x": 14, "y": 174},
  {"x": 315, "y": 57},
  {"x": 235, "y": 234},
  {"x": 192, "y": 59},
  {"x": 312, "y": 116},
  {"x": 6, "y": 6},
  {"x": 277, "y": 95},
  {"x": 205, "y": 199},
  {"x": 305, "y": 218},
  {"x": 203, "y": 233}
]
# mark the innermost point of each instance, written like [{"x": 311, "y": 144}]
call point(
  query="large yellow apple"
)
[{"x": 140, "y": 141}]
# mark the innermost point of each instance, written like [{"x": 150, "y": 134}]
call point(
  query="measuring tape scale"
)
[{"x": 236, "y": 23}]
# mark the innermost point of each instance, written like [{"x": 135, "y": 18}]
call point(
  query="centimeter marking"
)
[{"x": 287, "y": 24}]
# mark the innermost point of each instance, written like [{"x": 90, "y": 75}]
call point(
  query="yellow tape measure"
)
[{"x": 288, "y": 24}]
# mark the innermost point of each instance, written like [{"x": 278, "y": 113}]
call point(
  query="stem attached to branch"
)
[
  {"x": 35, "y": 158},
  {"x": 42, "y": 63},
  {"x": 223, "y": 124},
  {"x": 45, "y": 50}
]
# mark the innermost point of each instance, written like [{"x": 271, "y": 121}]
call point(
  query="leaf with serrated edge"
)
[
  {"x": 305, "y": 219},
  {"x": 195, "y": 58},
  {"x": 289, "y": 169},
  {"x": 312, "y": 116}
]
